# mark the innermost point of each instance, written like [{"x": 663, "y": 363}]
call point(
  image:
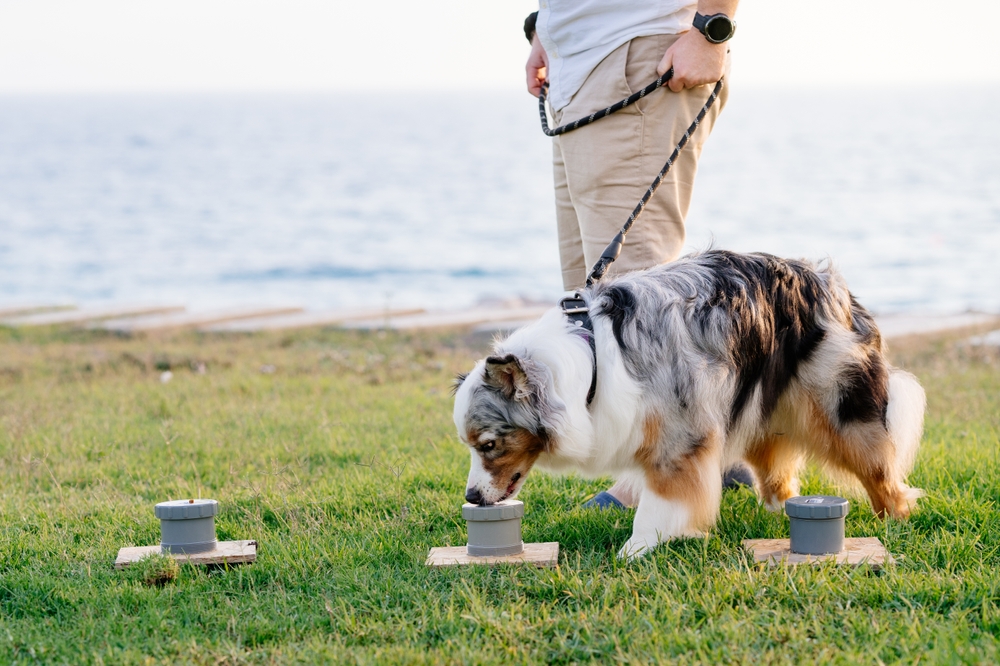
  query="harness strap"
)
[{"x": 575, "y": 309}]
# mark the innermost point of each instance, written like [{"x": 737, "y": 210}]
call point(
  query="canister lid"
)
[
  {"x": 504, "y": 510},
  {"x": 817, "y": 507},
  {"x": 186, "y": 509}
]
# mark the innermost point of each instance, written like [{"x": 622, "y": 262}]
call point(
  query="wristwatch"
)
[{"x": 717, "y": 28}]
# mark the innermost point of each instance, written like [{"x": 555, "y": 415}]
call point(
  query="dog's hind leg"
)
[
  {"x": 868, "y": 452},
  {"x": 776, "y": 460},
  {"x": 680, "y": 497},
  {"x": 878, "y": 451}
]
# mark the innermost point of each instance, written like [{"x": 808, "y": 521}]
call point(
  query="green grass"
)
[{"x": 343, "y": 464}]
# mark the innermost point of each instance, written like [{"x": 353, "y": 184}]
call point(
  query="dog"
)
[{"x": 713, "y": 359}]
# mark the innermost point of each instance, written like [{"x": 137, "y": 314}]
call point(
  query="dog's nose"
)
[{"x": 473, "y": 496}]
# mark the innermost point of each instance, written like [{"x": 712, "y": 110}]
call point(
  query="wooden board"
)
[
  {"x": 459, "y": 319},
  {"x": 20, "y": 310},
  {"x": 183, "y": 320},
  {"x": 226, "y": 552},
  {"x": 540, "y": 554},
  {"x": 306, "y": 320},
  {"x": 83, "y": 316},
  {"x": 857, "y": 550}
]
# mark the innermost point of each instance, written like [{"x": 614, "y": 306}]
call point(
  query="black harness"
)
[{"x": 574, "y": 307}]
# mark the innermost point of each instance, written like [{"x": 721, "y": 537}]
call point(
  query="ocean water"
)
[{"x": 441, "y": 200}]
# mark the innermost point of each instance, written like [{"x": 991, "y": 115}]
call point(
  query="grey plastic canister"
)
[
  {"x": 494, "y": 530},
  {"x": 816, "y": 523},
  {"x": 187, "y": 526}
]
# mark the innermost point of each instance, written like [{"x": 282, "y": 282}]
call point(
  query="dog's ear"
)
[
  {"x": 457, "y": 384},
  {"x": 507, "y": 374}
]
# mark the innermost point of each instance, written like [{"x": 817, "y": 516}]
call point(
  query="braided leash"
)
[
  {"x": 614, "y": 249},
  {"x": 586, "y": 120}
]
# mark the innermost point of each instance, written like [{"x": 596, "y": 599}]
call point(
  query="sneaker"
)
[{"x": 603, "y": 500}]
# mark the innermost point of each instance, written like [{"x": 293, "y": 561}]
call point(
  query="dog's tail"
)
[{"x": 905, "y": 420}]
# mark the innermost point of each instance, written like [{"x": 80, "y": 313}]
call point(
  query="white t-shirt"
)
[{"x": 579, "y": 34}]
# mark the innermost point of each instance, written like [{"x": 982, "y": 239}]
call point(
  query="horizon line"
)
[{"x": 479, "y": 89}]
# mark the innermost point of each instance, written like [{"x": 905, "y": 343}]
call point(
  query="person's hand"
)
[
  {"x": 696, "y": 61},
  {"x": 537, "y": 67}
]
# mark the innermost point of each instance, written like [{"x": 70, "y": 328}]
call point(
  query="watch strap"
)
[
  {"x": 699, "y": 23},
  {"x": 529, "y": 25}
]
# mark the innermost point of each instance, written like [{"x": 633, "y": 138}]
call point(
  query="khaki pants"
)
[{"x": 602, "y": 170}]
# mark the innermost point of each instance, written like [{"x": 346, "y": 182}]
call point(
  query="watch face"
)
[{"x": 719, "y": 28}]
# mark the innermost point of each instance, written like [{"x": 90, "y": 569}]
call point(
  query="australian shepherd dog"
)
[{"x": 702, "y": 363}]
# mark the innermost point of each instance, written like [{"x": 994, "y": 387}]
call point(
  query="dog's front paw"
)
[{"x": 635, "y": 547}]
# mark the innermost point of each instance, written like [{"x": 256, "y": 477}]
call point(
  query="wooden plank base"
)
[
  {"x": 305, "y": 320},
  {"x": 857, "y": 551},
  {"x": 182, "y": 320},
  {"x": 452, "y": 319},
  {"x": 540, "y": 554},
  {"x": 74, "y": 316},
  {"x": 226, "y": 552}
]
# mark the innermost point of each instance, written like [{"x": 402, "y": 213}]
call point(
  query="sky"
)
[{"x": 64, "y": 46}]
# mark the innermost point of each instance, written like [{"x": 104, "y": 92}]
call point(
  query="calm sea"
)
[{"x": 442, "y": 200}]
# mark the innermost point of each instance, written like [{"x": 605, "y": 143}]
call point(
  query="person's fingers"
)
[
  {"x": 535, "y": 85},
  {"x": 666, "y": 62},
  {"x": 531, "y": 77},
  {"x": 535, "y": 79},
  {"x": 535, "y": 68},
  {"x": 677, "y": 82}
]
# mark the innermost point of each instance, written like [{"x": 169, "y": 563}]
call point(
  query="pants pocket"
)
[
  {"x": 605, "y": 85},
  {"x": 644, "y": 56}
]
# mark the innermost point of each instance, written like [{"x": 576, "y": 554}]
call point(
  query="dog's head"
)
[{"x": 503, "y": 414}]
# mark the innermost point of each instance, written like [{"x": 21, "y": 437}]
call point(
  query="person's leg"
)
[
  {"x": 610, "y": 164},
  {"x": 600, "y": 160},
  {"x": 574, "y": 270}
]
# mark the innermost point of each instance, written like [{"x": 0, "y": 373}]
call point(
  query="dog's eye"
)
[{"x": 488, "y": 445}]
